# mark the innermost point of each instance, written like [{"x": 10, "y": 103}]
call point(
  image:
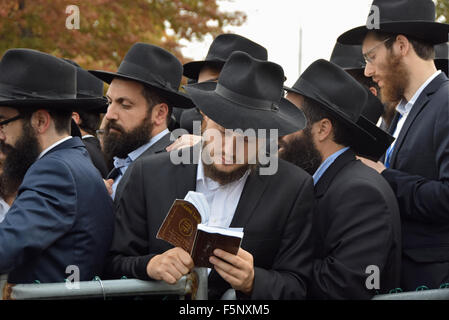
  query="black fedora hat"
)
[
  {"x": 220, "y": 50},
  {"x": 33, "y": 79},
  {"x": 442, "y": 57},
  {"x": 152, "y": 66},
  {"x": 414, "y": 18},
  {"x": 340, "y": 94},
  {"x": 248, "y": 95},
  {"x": 89, "y": 89},
  {"x": 348, "y": 57}
]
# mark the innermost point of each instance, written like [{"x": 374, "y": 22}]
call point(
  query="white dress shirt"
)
[
  {"x": 404, "y": 107},
  {"x": 223, "y": 200}
]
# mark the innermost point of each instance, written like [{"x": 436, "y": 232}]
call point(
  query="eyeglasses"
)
[
  {"x": 5, "y": 122},
  {"x": 370, "y": 51}
]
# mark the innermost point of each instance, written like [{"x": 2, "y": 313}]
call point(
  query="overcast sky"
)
[{"x": 275, "y": 24}]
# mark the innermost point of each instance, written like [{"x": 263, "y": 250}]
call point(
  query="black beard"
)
[
  {"x": 224, "y": 178},
  {"x": 18, "y": 160},
  {"x": 121, "y": 144},
  {"x": 301, "y": 151}
]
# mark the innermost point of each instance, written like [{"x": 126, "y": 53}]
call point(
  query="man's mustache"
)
[
  {"x": 112, "y": 125},
  {"x": 5, "y": 148}
]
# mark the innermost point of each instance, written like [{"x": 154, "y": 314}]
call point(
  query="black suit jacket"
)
[
  {"x": 357, "y": 225},
  {"x": 96, "y": 155},
  {"x": 419, "y": 176},
  {"x": 158, "y": 147},
  {"x": 275, "y": 211}
]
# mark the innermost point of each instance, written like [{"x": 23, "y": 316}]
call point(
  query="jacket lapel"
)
[
  {"x": 419, "y": 105},
  {"x": 252, "y": 191},
  {"x": 159, "y": 146},
  {"x": 326, "y": 179},
  {"x": 186, "y": 174}
]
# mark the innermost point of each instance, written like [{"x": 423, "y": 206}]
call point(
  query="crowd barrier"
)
[{"x": 193, "y": 286}]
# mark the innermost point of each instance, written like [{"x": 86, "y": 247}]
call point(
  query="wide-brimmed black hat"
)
[
  {"x": 248, "y": 95},
  {"x": 33, "y": 79},
  {"x": 348, "y": 57},
  {"x": 343, "y": 97},
  {"x": 154, "y": 67},
  {"x": 89, "y": 89},
  {"x": 442, "y": 57},
  {"x": 220, "y": 50},
  {"x": 414, "y": 18}
]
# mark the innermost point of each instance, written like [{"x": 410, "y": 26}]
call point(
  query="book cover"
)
[{"x": 184, "y": 227}]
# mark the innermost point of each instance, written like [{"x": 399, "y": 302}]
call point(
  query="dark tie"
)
[
  {"x": 391, "y": 148},
  {"x": 114, "y": 173}
]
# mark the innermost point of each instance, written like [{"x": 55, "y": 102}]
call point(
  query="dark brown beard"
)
[
  {"x": 121, "y": 144},
  {"x": 396, "y": 80},
  {"x": 301, "y": 151},
  {"x": 222, "y": 177},
  {"x": 19, "y": 159}
]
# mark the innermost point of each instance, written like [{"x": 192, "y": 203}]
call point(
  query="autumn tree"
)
[
  {"x": 108, "y": 28},
  {"x": 442, "y": 10}
]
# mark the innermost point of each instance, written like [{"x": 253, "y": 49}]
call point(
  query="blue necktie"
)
[{"x": 391, "y": 148}]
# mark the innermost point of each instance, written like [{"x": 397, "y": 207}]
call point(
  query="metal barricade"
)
[
  {"x": 194, "y": 285},
  {"x": 435, "y": 294}
]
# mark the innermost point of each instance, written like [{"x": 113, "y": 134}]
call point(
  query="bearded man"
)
[
  {"x": 274, "y": 261},
  {"x": 141, "y": 97},
  {"x": 400, "y": 59},
  {"x": 356, "y": 224},
  {"x": 5, "y": 197},
  {"x": 62, "y": 215}
]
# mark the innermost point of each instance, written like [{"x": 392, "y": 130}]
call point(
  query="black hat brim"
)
[
  {"x": 85, "y": 104},
  {"x": 230, "y": 115},
  {"x": 178, "y": 99},
  {"x": 429, "y": 32},
  {"x": 377, "y": 149},
  {"x": 192, "y": 69},
  {"x": 360, "y": 137},
  {"x": 442, "y": 64}
]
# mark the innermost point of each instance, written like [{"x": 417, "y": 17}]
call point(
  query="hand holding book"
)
[{"x": 185, "y": 226}]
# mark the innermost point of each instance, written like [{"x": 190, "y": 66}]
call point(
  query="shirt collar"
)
[
  {"x": 87, "y": 136},
  {"x": 54, "y": 145},
  {"x": 405, "y": 106},
  {"x": 326, "y": 164}
]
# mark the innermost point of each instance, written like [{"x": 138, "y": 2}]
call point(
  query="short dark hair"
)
[
  {"x": 424, "y": 50},
  {"x": 315, "y": 111},
  {"x": 61, "y": 118},
  {"x": 153, "y": 98},
  {"x": 90, "y": 121}
]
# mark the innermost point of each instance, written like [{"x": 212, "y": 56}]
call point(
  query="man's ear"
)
[
  {"x": 373, "y": 91},
  {"x": 402, "y": 45},
  {"x": 76, "y": 118},
  {"x": 323, "y": 129},
  {"x": 159, "y": 113},
  {"x": 40, "y": 121}
]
